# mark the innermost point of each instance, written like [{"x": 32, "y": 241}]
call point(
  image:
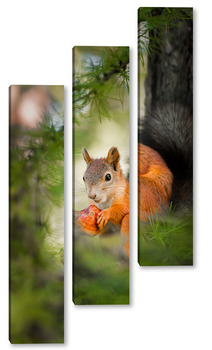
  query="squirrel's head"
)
[{"x": 102, "y": 175}]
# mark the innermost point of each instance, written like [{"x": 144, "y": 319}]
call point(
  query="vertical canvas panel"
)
[
  {"x": 36, "y": 234},
  {"x": 101, "y": 175},
  {"x": 165, "y": 149}
]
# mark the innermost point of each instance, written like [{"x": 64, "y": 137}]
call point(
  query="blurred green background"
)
[
  {"x": 101, "y": 120},
  {"x": 36, "y": 234}
]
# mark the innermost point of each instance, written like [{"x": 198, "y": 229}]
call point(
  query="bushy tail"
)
[{"x": 169, "y": 131}]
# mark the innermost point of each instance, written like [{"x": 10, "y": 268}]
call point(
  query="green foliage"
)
[
  {"x": 166, "y": 242},
  {"x": 100, "y": 274},
  {"x": 152, "y": 21},
  {"x": 41, "y": 155},
  {"x": 100, "y": 83},
  {"x": 36, "y": 273}
]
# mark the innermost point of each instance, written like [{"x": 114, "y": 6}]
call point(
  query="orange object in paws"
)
[{"x": 87, "y": 219}]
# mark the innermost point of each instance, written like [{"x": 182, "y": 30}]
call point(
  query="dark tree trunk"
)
[
  {"x": 170, "y": 72},
  {"x": 167, "y": 124}
]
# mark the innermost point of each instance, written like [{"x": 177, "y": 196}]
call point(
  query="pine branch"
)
[
  {"x": 100, "y": 82},
  {"x": 152, "y": 21}
]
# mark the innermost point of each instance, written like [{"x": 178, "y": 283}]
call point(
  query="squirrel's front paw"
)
[{"x": 103, "y": 218}]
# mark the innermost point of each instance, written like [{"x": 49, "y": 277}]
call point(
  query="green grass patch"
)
[{"x": 166, "y": 242}]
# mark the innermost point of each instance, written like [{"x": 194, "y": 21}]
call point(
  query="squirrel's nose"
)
[{"x": 92, "y": 196}]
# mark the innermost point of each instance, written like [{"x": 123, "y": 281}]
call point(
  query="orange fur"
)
[
  {"x": 118, "y": 213},
  {"x": 154, "y": 183}
]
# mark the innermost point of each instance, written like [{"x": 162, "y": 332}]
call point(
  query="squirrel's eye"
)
[
  {"x": 107, "y": 177},
  {"x": 83, "y": 178}
]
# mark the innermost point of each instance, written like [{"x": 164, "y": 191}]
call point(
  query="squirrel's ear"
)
[
  {"x": 86, "y": 156},
  {"x": 113, "y": 157}
]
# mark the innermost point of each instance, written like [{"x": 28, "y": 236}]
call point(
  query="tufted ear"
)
[
  {"x": 113, "y": 157},
  {"x": 86, "y": 156}
]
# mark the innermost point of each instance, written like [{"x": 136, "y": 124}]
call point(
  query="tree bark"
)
[{"x": 170, "y": 71}]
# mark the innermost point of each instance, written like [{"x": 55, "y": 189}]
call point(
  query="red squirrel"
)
[
  {"x": 165, "y": 171},
  {"x": 108, "y": 189}
]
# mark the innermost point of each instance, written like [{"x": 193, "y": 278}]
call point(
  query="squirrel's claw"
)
[{"x": 102, "y": 219}]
